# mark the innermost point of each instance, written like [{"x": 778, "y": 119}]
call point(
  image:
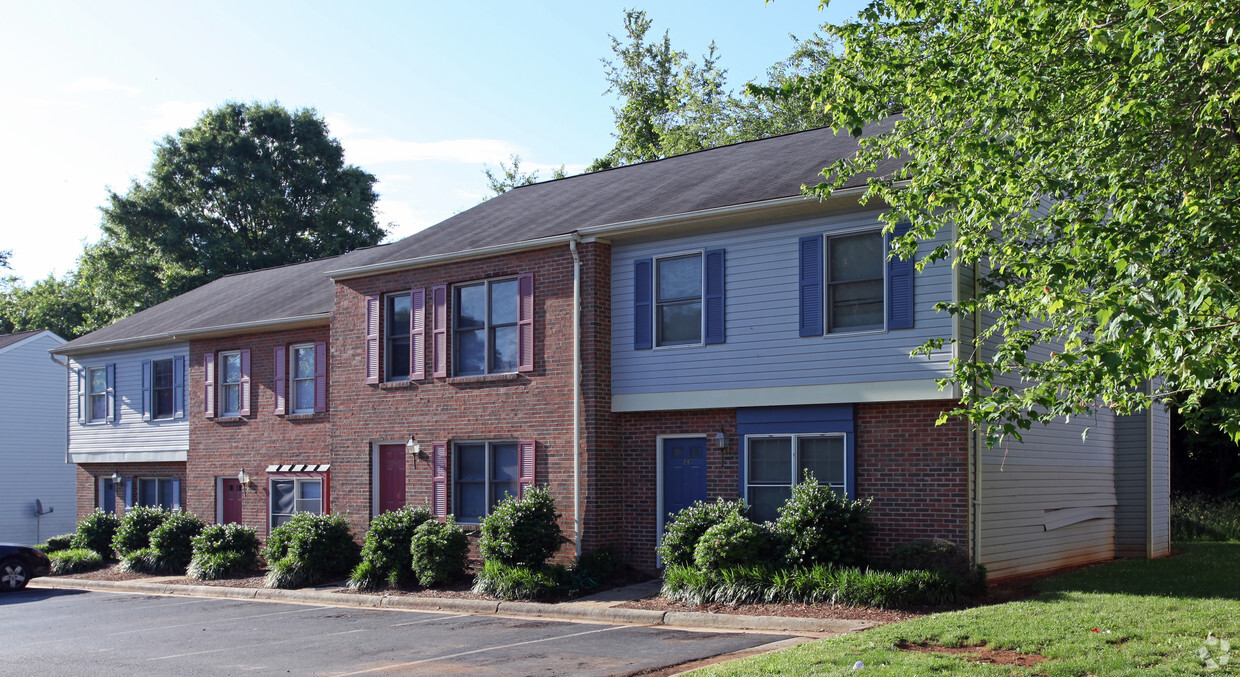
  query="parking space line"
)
[
  {"x": 397, "y": 666},
  {"x": 183, "y": 625},
  {"x": 428, "y": 620},
  {"x": 250, "y": 646}
]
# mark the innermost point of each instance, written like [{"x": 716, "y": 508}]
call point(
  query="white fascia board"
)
[
  {"x": 127, "y": 456},
  {"x": 34, "y": 337},
  {"x": 781, "y": 396}
]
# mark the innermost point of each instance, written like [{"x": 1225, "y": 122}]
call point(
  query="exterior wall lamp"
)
[
  {"x": 243, "y": 478},
  {"x": 414, "y": 449}
]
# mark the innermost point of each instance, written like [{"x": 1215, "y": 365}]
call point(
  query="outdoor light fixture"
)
[
  {"x": 414, "y": 449},
  {"x": 243, "y": 478},
  {"x": 721, "y": 441},
  {"x": 116, "y": 479}
]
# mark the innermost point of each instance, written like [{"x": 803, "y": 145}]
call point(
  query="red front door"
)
[
  {"x": 391, "y": 477},
  {"x": 230, "y": 501}
]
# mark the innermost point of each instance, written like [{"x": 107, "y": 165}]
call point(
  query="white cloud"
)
[
  {"x": 404, "y": 219},
  {"x": 98, "y": 84},
  {"x": 173, "y": 115}
]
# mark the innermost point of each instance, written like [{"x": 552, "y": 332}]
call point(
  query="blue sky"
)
[{"x": 421, "y": 94}]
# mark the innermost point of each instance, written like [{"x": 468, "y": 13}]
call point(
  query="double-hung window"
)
[
  {"x": 230, "y": 383},
  {"x": 484, "y": 323},
  {"x": 396, "y": 337},
  {"x": 855, "y": 281},
  {"x": 776, "y": 462},
  {"x": 484, "y": 473},
  {"x": 163, "y": 404},
  {"x": 678, "y": 300},
  {"x": 301, "y": 366},
  {"x": 293, "y": 495},
  {"x": 157, "y": 492},
  {"x": 97, "y": 393}
]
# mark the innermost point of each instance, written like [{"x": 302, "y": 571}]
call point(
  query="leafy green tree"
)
[
  {"x": 1084, "y": 156},
  {"x": 58, "y": 305},
  {"x": 511, "y": 176}
]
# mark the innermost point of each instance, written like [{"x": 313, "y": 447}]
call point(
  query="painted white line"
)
[
  {"x": 398, "y": 666},
  {"x": 249, "y": 646},
  {"x": 185, "y": 625},
  {"x": 428, "y": 620}
]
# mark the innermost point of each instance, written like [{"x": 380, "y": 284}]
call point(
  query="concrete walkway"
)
[{"x": 599, "y": 608}]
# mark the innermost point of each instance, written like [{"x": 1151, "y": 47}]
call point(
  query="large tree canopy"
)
[{"x": 1087, "y": 155}]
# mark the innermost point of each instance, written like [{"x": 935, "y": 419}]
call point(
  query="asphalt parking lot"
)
[{"x": 63, "y": 632}]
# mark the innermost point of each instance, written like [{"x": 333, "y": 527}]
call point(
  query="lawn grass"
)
[
  {"x": 1152, "y": 618},
  {"x": 1196, "y": 517}
]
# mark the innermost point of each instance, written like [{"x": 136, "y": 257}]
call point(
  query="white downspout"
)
[{"x": 572, "y": 247}]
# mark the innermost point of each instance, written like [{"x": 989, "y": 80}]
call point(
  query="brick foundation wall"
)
[
  {"x": 88, "y": 475},
  {"x": 916, "y": 472},
  {"x": 222, "y": 447}
]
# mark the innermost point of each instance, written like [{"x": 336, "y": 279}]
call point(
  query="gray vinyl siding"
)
[
  {"x": 1131, "y": 455},
  {"x": 1160, "y": 486},
  {"x": 763, "y": 348},
  {"x": 32, "y": 446},
  {"x": 129, "y": 438}
]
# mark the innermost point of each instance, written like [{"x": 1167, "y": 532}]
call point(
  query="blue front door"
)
[{"x": 684, "y": 474}]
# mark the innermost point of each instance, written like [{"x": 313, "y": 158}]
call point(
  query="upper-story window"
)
[
  {"x": 230, "y": 383},
  {"x": 396, "y": 337},
  {"x": 484, "y": 323},
  {"x": 301, "y": 366},
  {"x": 678, "y": 300},
  {"x": 855, "y": 282},
  {"x": 163, "y": 402},
  {"x": 97, "y": 393}
]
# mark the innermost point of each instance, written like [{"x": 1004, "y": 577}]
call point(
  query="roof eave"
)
[{"x": 201, "y": 333}]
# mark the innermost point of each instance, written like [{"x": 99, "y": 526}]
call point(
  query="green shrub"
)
[
  {"x": 593, "y": 569},
  {"x": 56, "y": 544},
  {"x": 385, "y": 555},
  {"x": 1197, "y": 517},
  {"x": 223, "y": 550},
  {"x": 174, "y": 540},
  {"x": 144, "y": 561},
  {"x": 939, "y": 555},
  {"x": 818, "y": 526},
  {"x": 74, "y": 561},
  {"x": 437, "y": 552},
  {"x": 510, "y": 582},
  {"x": 95, "y": 532},
  {"x": 820, "y": 584},
  {"x": 681, "y": 535},
  {"x": 522, "y": 531},
  {"x": 308, "y": 549},
  {"x": 736, "y": 541},
  {"x": 134, "y": 532}
]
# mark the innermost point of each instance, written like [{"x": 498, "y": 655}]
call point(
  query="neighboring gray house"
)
[{"x": 33, "y": 417}]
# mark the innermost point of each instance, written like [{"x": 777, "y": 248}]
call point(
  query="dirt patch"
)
[
  {"x": 976, "y": 654},
  {"x": 853, "y": 613}
]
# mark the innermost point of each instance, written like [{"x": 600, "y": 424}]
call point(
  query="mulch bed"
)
[
  {"x": 852, "y": 613},
  {"x": 976, "y": 654},
  {"x": 110, "y": 572}
]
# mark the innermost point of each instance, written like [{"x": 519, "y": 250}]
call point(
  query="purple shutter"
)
[
  {"x": 439, "y": 479},
  {"x": 525, "y": 322},
  {"x": 642, "y": 313},
  {"x": 417, "y": 334},
  {"x": 900, "y": 275},
  {"x": 811, "y": 285},
  {"x": 525, "y": 465},
  {"x": 81, "y": 390},
  {"x": 208, "y": 385},
  {"x": 146, "y": 390},
  {"x": 280, "y": 358},
  {"x": 110, "y": 370},
  {"x": 178, "y": 386},
  {"x": 371, "y": 349},
  {"x": 320, "y": 376},
  {"x": 714, "y": 300},
  {"x": 439, "y": 330},
  {"x": 244, "y": 409}
]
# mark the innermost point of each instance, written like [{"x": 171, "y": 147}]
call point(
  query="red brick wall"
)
[
  {"x": 88, "y": 475},
  {"x": 916, "y": 472},
  {"x": 222, "y": 447}
]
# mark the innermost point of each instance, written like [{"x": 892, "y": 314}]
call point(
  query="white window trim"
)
[
  {"x": 374, "y": 472},
  {"x": 658, "y": 478},
  {"x": 292, "y": 378},
  {"x": 794, "y": 437},
  {"x": 222, "y": 386},
  {"x": 488, "y": 369},
  {"x": 137, "y": 491},
  {"x": 487, "y": 474},
  {"x": 297, "y": 482},
  {"x": 90, "y": 394},
  {"x": 383, "y": 339},
  {"x": 827, "y": 334},
  {"x": 171, "y": 370},
  {"x": 654, "y": 301}
]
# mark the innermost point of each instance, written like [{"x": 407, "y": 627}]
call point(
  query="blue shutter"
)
[
  {"x": 899, "y": 286},
  {"x": 178, "y": 386},
  {"x": 146, "y": 390},
  {"x": 81, "y": 395},
  {"x": 642, "y": 292},
  {"x": 715, "y": 300},
  {"x": 811, "y": 286},
  {"x": 111, "y": 397}
]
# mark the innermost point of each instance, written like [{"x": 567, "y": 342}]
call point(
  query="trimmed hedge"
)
[
  {"x": 681, "y": 535},
  {"x": 438, "y": 551},
  {"x": 56, "y": 544},
  {"x": 74, "y": 561},
  {"x": 223, "y": 550},
  {"x": 174, "y": 540},
  {"x": 134, "y": 532},
  {"x": 95, "y": 532},
  {"x": 385, "y": 555},
  {"x": 522, "y": 532},
  {"x": 820, "y": 584},
  {"x": 819, "y": 526},
  {"x": 309, "y": 549},
  {"x": 733, "y": 542}
]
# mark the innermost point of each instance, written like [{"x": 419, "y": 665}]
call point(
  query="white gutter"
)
[
  {"x": 572, "y": 247},
  {"x": 221, "y": 330}
]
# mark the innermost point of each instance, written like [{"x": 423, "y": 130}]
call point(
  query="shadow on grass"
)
[{"x": 1199, "y": 570}]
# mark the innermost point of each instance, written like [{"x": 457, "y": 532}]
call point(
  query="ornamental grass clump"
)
[
  {"x": 74, "y": 561},
  {"x": 517, "y": 582},
  {"x": 819, "y": 526},
  {"x": 95, "y": 532},
  {"x": 223, "y": 550},
  {"x": 438, "y": 552},
  {"x": 134, "y": 531},
  {"x": 385, "y": 554},
  {"x": 309, "y": 549},
  {"x": 681, "y": 535},
  {"x": 763, "y": 583}
]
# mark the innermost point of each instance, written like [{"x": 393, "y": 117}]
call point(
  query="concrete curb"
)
[{"x": 589, "y": 612}]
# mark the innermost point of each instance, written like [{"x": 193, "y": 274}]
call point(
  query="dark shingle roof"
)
[
  {"x": 743, "y": 173},
  {"x": 10, "y": 339}
]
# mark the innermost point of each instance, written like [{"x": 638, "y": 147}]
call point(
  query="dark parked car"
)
[{"x": 19, "y": 564}]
